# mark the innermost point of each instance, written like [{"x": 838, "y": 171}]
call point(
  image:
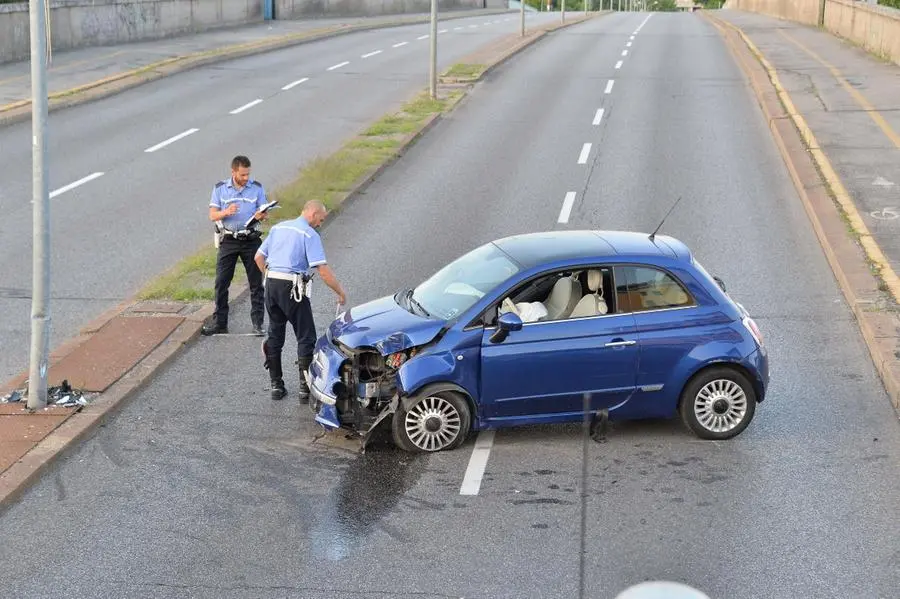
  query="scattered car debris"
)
[{"x": 62, "y": 395}]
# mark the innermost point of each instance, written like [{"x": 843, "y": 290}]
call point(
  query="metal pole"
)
[
  {"x": 40, "y": 313},
  {"x": 522, "y": 18},
  {"x": 433, "y": 59},
  {"x": 563, "y": 11}
]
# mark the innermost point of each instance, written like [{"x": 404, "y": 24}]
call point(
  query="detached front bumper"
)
[{"x": 321, "y": 377}]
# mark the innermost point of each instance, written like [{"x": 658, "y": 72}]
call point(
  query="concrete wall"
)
[
  {"x": 875, "y": 28},
  {"x": 79, "y": 23},
  {"x": 292, "y": 9}
]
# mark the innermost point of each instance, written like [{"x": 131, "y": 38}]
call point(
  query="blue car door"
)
[{"x": 541, "y": 372}]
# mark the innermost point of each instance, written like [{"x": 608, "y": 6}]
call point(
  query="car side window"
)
[
  {"x": 651, "y": 289},
  {"x": 582, "y": 293}
]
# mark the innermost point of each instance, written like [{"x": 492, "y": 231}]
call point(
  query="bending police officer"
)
[
  {"x": 290, "y": 253},
  {"x": 234, "y": 201}
]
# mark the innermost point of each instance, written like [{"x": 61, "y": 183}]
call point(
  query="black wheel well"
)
[
  {"x": 438, "y": 387},
  {"x": 729, "y": 365}
]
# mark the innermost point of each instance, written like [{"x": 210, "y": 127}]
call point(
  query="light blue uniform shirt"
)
[
  {"x": 293, "y": 246},
  {"x": 249, "y": 199}
]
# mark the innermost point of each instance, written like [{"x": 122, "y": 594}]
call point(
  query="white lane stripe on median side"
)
[
  {"x": 338, "y": 65},
  {"x": 477, "y": 463},
  {"x": 566, "y": 207},
  {"x": 609, "y": 86},
  {"x": 71, "y": 186},
  {"x": 585, "y": 152},
  {"x": 371, "y": 54},
  {"x": 246, "y": 106},
  {"x": 400, "y": 44},
  {"x": 624, "y": 52},
  {"x": 598, "y": 116},
  {"x": 628, "y": 45},
  {"x": 295, "y": 83},
  {"x": 619, "y": 65},
  {"x": 443, "y": 31},
  {"x": 172, "y": 139},
  {"x": 422, "y": 37}
]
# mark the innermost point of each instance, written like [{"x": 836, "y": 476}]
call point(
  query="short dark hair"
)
[{"x": 239, "y": 161}]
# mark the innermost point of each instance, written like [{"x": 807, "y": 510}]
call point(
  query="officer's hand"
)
[
  {"x": 261, "y": 215},
  {"x": 232, "y": 208},
  {"x": 342, "y": 299}
]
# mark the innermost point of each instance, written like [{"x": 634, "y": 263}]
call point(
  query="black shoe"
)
[
  {"x": 214, "y": 329},
  {"x": 278, "y": 390},
  {"x": 258, "y": 331}
]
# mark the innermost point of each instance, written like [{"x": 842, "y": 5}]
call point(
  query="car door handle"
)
[{"x": 619, "y": 343}]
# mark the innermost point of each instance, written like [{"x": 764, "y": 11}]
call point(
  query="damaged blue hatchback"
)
[{"x": 520, "y": 330}]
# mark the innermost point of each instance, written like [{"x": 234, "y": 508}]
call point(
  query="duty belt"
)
[
  {"x": 243, "y": 234},
  {"x": 301, "y": 283}
]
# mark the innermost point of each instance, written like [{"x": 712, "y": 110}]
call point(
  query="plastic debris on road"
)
[{"x": 63, "y": 396}]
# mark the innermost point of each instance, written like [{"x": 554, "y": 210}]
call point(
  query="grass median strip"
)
[{"x": 329, "y": 179}]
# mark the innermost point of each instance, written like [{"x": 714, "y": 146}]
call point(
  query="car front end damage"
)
[{"x": 356, "y": 389}]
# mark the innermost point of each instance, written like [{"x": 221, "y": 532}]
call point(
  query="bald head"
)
[{"x": 314, "y": 212}]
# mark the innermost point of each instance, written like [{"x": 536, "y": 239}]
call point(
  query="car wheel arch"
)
[
  {"x": 415, "y": 394},
  {"x": 719, "y": 363}
]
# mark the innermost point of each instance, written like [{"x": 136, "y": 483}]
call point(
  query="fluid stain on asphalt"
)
[{"x": 369, "y": 490}]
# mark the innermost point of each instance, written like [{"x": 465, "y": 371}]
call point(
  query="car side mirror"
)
[{"x": 506, "y": 324}]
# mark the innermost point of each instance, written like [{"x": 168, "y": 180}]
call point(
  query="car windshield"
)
[{"x": 459, "y": 285}]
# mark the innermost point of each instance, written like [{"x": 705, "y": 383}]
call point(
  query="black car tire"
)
[
  {"x": 448, "y": 407},
  {"x": 714, "y": 389}
]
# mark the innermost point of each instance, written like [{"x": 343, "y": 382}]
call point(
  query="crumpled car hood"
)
[{"x": 384, "y": 325}]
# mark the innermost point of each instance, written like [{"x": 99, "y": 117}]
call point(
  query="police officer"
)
[
  {"x": 234, "y": 201},
  {"x": 289, "y": 255}
]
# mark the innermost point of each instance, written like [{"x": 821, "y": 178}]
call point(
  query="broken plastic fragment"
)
[{"x": 13, "y": 397}]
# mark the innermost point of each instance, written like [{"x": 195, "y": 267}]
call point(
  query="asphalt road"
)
[
  {"x": 147, "y": 210},
  {"x": 204, "y": 487}
]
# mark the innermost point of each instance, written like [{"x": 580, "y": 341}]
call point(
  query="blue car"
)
[{"x": 521, "y": 330}]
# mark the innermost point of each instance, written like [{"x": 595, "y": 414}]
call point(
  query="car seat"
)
[
  {"x": 563, "y": 298},
  {"x": 593, "y": 303}
]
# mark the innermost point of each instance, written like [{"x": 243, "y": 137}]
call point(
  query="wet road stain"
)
[
  {"x": 543, "y": 500},
  {"x": 370, "y": 488}
]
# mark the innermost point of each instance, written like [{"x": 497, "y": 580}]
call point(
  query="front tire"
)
[
  {"x": 436, "y": 422},
  {"x": 718, "y": 403}
]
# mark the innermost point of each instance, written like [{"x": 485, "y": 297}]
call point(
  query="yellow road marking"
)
[
  {"x": 871, "y": 247},
  {"x": 857, "y": 95}
]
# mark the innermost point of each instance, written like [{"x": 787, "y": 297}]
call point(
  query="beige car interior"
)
[{"x": 565, "y": 300}]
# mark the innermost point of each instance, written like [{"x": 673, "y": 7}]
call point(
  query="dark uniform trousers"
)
[
  {"x": 230, "y": 249},
  {"x": 282, "y": 310}
]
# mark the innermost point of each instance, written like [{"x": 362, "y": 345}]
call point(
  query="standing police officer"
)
[
  {"x": 288, "y": 255},
  {"x": 234, "y": 201}
]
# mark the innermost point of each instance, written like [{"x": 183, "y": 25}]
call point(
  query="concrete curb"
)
[
  {"x": 880, "y": 329},
  {"x": 81, "y": 425},
  {"x": 16, "y": 112}
]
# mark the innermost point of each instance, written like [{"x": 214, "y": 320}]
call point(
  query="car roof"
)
[{"x": 535, "y": 249}]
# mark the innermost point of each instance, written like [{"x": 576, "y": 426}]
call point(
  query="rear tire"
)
[
  {"x": 718, "y": 403},
  {"x": 436, "y": 422}
]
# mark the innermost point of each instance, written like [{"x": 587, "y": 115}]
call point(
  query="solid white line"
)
[
  {"x": 90, "y": 177},
  {"x": 585, "y": 152},
  {"x": 246, "y": 106},
  {"x": 338, "y": 65},
  {"x": 422, "y": 37},
  {"x": 170, "y": 140},
  {"x": 371, "y": 54},
  {"x": 400, "y": 44},
  {"x": 598, "y": 116},
  {"x": 624, "y": 52},
  {"x": 609, "y": 86},
  {"x": 295, "y": 83},
  {"x": 477, "y": 463},
  {"x": 566, "y": 207},
  {"x": 619, "y": 65}
]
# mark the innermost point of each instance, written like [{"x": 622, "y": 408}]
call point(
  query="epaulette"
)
[
  {"x": 257, "y": 183},
  {"x": 220, "y": 183}
]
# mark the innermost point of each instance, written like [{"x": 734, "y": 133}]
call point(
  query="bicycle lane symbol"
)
[{"x": 889, "y": 213}]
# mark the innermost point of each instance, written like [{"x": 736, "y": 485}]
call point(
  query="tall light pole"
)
[
  {"x": 522, "y": 18},
  {"x": 432, "y": 79},
  {"x": 40, "y": 313},
  {"x": 563, "y": 11}
]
